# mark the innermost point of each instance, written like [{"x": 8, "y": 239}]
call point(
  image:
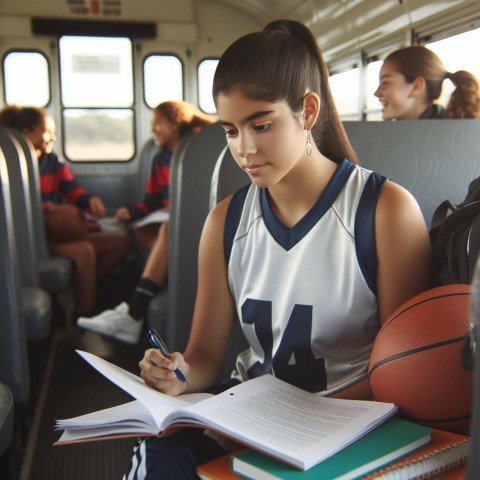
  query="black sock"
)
[{"x": 145, "y": 291}]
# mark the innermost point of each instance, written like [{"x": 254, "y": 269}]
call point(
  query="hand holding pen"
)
[{"x": 157, "y": 342}]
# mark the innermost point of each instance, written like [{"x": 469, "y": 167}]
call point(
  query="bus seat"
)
[
  {"x": 190, "y": 177},
  {"x": 434, "y": 159},
  {"x": 227, "y": 179},
  {"x": 148, "y": 151},
  {"x": 6, "y": 417},
  {"x": 55, "y": 271},
  {"x": 157, "y": 310},
  {"x": 37, "y": 307},
  {"x": 14, "y": 368}
]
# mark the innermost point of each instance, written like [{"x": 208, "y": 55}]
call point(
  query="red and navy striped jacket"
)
[
  {"x": 157, "y": 190},
  {"x": 57, "y": 183}
]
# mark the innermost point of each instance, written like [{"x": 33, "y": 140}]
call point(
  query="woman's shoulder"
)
[
  {"x": 392, "y": 197},
  {"x": 231, "y": 206},
  {"x": 396, "y": 205}
]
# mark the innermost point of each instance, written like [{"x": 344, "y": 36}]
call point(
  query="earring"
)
[{"x": 309, "y": 143}]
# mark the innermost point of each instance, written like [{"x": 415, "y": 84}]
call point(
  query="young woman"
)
[
  {"x": 171, "y": 122},
  {"x": 411, "y": 80},
  {"x": 99, "y": 253},
  {"x": 312, "y": 257}
]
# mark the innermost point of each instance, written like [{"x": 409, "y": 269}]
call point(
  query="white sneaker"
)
[{"x": 115, "y": 323}]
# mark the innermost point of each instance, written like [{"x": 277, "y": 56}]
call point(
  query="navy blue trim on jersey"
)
[
  {"x": 288, "y": 237},
  {"x": 365, "y": 244},
  {"x": 232, "y": 219}
]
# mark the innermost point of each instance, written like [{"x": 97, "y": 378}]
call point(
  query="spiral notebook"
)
[{"x": 447, "y": 452}]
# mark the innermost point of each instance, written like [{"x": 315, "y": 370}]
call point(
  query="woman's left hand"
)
[{"x": 97, "y": 207}]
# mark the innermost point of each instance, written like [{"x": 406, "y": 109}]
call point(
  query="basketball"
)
[{"x": 416, "y": 360}]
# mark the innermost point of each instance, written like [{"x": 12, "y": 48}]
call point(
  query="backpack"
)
[{"x": 455, "y": 238}]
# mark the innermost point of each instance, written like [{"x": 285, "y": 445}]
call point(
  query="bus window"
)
[
  {"x": 346, "y": 98},
  {"x": 206, "y": 71},
  {"x": 26, "y": 77},
  {"x": 96, "y": 75},
  {"x": 374, "y": 108},
  {"x": 163, "y": 79},
  {"x": 456, "y": 54},
  {"x": 98, "y": 135}
]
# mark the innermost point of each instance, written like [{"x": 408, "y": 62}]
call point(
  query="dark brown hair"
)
[
  {"x": 21, "y": 118},
  {"x": 283, "y": 63}
]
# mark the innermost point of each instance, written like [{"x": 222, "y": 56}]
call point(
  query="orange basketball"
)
[{"x": 416, "y": 360}]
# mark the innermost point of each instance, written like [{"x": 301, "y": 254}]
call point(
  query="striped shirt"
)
[
  {"x": 157, "y": 190},
  {"x": 57, "y": 183}
]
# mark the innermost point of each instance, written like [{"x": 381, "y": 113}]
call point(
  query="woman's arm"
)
[
  {"x": 214, "y": 314},
  {"x": 403, "y": 249},
  {"x": 97, "y": 207},
  {"x": 213, "y": 320},
  {"x": 404, "y": 257}
]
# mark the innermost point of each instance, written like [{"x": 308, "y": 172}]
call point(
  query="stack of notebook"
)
[{"x": 399, "y": 446}]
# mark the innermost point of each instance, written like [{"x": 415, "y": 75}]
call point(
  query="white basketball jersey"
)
[{"x": 305, "y": 295}]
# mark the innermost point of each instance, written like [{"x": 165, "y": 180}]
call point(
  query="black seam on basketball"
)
[
  {"x": 420, "y": 303},
  {"x": 440, "y": 420},
  {"x": 414, "y": 351}
]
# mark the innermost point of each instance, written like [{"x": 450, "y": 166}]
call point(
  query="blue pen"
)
[{"x": 157, "y": 342}]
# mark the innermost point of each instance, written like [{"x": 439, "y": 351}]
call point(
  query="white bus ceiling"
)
[{"x": 342, "y": 27}]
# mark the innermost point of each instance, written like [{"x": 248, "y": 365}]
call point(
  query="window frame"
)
[
  {"x": 200, "y": 62},
  {"x": 49, "y": 73},
  {"x": 161, "y": 54},
  {"x": 132, "y": 107}
]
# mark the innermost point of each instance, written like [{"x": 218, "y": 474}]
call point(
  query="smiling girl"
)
[
  {"x": 171, "y": 121},
  {"x": 411, "y": 80},
  {"x": 312, "y": 257}
]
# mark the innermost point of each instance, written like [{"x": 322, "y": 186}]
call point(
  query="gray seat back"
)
[
  {"x": 227, "y": 178},
  {"x": 148, "y": 151},
  {"x": 190, "y": 180},
  {"x": 156, "y": 315},
  {"x": 14, "y": 369},
  {"x": 22, "y": 208},
  {"x": 434, "y": 159},
  {"x": 37, "y": 308},
  {"x": 33, "y": 180},
  {"x": 55, "y": 272}
]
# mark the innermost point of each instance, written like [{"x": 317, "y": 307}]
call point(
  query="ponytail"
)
[
  {"x": 328, "y": 133},
  {"x": 465, "y": 99}
]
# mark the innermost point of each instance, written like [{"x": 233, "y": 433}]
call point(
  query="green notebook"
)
[{"x": 385, "y": 444}]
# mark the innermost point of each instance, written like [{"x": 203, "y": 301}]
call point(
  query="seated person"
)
[
  {"x": 280, "y": 256},
  {"x": 99, "y": 253},
  {"x": 171, "y": 121},
  {"x": 411, "y": 80}
]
